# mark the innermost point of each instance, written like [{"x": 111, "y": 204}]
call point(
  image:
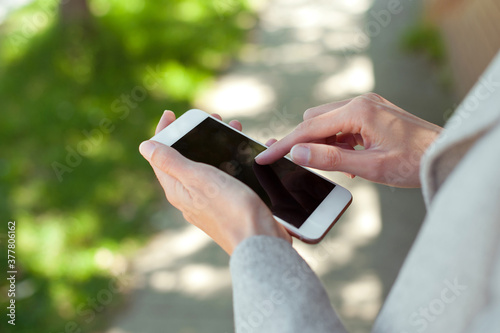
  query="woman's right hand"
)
[{"x": 393, "y": 140}]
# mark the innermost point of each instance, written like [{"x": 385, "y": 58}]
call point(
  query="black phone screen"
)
[{"x": 291, "y": 192}]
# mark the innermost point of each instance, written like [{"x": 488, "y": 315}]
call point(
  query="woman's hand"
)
[
  {"x": 393, "y": 140},
  {"x": 223, "y": 207}
]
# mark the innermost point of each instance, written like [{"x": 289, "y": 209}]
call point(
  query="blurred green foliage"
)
[
  {"x": 425, "y": 38},
  {"x": 77, "y": 99}
]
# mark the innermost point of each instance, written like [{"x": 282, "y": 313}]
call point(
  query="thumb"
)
[
  {"x": 165, "y": 158},
  {"x": 332, "y": 158}
]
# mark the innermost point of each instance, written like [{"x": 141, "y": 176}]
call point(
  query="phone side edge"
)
[{"x": 318, "y": 224}]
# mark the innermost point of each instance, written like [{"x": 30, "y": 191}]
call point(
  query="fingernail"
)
[
  {"x": 260, "y": 155},
  {"x": 300, "y": 154},
  {"x": 147, "y": 148},
  {"x": 163, "y": 114}
]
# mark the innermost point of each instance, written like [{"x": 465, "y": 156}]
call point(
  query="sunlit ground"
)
[
  {"x": 325, "y": 39},
  {"x": 320, "y": 42}
]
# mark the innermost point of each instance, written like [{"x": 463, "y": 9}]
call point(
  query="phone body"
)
[{"x": 307, "y": 204}]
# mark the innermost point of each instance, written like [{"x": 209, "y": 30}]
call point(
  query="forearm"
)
[{"x": 274, "y": 290}]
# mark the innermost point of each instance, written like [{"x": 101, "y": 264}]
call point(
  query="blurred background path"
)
[{"x": 303, "y": 53}]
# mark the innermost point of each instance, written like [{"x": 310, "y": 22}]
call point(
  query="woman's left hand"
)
[{"x": 220, "y": 205}]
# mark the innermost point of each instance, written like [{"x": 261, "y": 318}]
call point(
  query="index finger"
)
[
  {"x": 321, "y": 109},
  {"x": 319, "y": 127}
]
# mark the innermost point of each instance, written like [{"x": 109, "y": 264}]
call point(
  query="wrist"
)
[{"x": 258, "y": 222}]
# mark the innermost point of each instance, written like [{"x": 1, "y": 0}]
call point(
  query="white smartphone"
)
[{"x": 307, "y": 204}]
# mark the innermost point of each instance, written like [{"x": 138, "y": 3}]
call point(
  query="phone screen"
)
[{"x": 291, "y": 192}]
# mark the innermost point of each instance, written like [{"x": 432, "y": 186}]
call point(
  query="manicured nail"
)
[
  {"x": 300, "y": 154},
  {"x": 147, "y": 148}
]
